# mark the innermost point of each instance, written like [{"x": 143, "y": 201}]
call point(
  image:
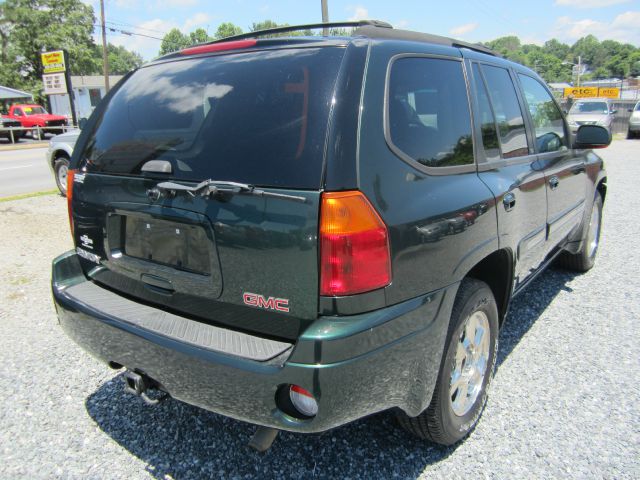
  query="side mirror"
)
[
  {"x": 592, "y": 136},
  {"x": 629, "y": 110},
  {"x": 613, "y": 112},
  {"x": 82, "y": 123}
]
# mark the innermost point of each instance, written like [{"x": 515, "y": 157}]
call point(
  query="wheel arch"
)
[{"x": 496, "y": 270}]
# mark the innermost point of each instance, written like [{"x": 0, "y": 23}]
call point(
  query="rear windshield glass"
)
[{"x": 258, "y": 117}]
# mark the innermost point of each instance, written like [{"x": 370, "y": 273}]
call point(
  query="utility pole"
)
[
  {"x": 105, "y": 58},
  {"x": 579, "y": 68},
  {"x": 325, "y": 16}
]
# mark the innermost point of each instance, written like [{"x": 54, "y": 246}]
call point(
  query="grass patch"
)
[{"x": 29, "y": 195}]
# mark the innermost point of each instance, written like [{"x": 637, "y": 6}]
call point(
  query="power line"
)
[
  {"x": 125, "y": 32},
  {"x": 117, "y": 22}
]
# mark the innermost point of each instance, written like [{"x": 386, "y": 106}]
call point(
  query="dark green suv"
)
[{"x": 298, "y": 232}]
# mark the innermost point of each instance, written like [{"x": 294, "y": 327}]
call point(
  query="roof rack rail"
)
[{"x": 296, "y": 28}]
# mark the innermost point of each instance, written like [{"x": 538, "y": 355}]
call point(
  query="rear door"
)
[
  {"x": 565, "y": 172},
  {"x": 244, "y": 260},
  {"x": 509, "y": 167}
]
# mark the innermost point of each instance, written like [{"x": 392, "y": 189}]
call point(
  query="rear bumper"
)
[{"x": 354, "y": 366}]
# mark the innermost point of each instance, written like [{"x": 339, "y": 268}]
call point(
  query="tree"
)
[
  {"x": 199, "y": 36},
  {"x": 121, "y": 60},
  {"x": 33, "y": 26},
  {"x": 173, "y": 41},
  {"x": 556, "y": 48},
  {"x": 227, "y": 29}
]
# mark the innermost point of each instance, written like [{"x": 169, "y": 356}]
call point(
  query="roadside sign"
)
[
  {"x": 609, "y": 92},
  {"x": 581, "y": 92},
  {"x": 53, "y": 62},
  {"x": 592, "y": 92},
  {"x": 54, "y": 84}
]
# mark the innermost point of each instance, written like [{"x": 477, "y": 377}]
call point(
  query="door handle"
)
[
  {"x": 578, "y": 169},
  {"x": 509, "y": 201},
  {"x": 554, "y": 182}
]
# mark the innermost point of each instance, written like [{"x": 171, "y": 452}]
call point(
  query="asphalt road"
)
[
  {"x": 564, "y": 402},
  {"x": 24, "y": 171}
]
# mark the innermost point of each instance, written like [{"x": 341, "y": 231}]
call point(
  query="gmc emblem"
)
[{"x": 271, "y": 303}]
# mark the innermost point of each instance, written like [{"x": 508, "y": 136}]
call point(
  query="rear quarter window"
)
[
  {"x": 255, "y": 117},
  {"x": 428, "y": 112}
]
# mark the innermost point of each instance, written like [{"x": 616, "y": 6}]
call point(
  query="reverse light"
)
[
  {"x": 354, "y": 245},
  {"x": 303, "y": 401},
  {"x": 70, "y": 177},
  {"x": 218, "y": 47}
]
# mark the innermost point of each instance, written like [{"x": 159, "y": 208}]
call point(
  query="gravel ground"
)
[{"x": 564, "y": 402}]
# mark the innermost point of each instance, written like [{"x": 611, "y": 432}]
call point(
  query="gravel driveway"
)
[{"x": 565, "y": 401}]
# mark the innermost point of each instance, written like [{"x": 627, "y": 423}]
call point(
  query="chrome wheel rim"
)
[
  {"x": 470, "y": 363},
  {"x": 593, "y": 236},
  {"x": 62, "y": 176}
]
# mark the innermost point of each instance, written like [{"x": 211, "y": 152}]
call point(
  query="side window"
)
[
  {"x": 546, "y": 116},
  {"x": 428, "y": 112},
  {"x": 502, "y": 92},
  {"x": 487, "y": 119},
  {"x": 17, "y": 112}
]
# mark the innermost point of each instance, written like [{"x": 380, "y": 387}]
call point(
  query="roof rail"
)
[
  {"x": 409, "y": 35},
  {"x": 297, "y": 28}
]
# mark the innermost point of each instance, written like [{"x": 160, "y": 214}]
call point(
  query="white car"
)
[
  {"x": 59, "y": 155},
  {"x": 634, "y": 122}
]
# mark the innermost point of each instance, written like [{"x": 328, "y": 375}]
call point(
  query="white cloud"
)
[
  {"x": 623, "y": 28},
  {"x": 147, "y": 47},
  {"x": 588, "y": 3},
  {"x": 463, "y": 29},
  {"x": 359, "y": 13},
  {"x": 198, "y": 20}
]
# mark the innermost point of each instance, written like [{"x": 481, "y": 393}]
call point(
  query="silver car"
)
[
  {"x": 58, "y": 156},
  {"x": 634, "y": 122},
  {"x": 591, "y": 111}
]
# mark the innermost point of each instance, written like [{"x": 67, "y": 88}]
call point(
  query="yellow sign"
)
[
  {"x": 609, "y": 92},
  {"x": 592, "y": 92},
  {"x": 581, "y": 92},
  {"x": 53, "y": 62}
]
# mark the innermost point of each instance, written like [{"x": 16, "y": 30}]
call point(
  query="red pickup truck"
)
[{"x": 36, "y": 116}]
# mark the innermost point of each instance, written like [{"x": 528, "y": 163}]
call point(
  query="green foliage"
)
[
  {"x": 29, "y": 27},
  {"x": 554, "y": 60},
  {"x": 267, "y": 24},
  {"x": 199, "y": 36},
  {"x": 227, "y": 29},
  {"x": 173, "y": 41},
  {"x": 121, "y": 60}
]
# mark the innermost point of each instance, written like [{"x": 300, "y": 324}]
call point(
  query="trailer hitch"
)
[{"x": 139, "y": 385}]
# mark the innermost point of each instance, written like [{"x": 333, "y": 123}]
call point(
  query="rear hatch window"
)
[{"x": 255, "y": 117}]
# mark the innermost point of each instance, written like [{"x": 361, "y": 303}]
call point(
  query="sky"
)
[{"x": 473, "y": 20}]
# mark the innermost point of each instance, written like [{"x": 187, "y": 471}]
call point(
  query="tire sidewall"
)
[
  {"x": 591, "y": 259},
  {"x": 59, "y": 163},
  {"x": 454, "y": 426}
]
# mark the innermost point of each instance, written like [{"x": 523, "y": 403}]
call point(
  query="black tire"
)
[
  {"x": 585, "y": 259},
  {"x": 60, "y": 168},
  {"x": 37, "y": 134},
  {"x": 629, "y": 134},
  {"x": 439, "y": 423}
]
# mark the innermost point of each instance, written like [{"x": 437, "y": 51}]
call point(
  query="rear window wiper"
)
[{"x": 215, "y": 187}]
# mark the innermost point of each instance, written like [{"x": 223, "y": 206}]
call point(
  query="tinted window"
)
[
  {"x": 487, "y": 120},
  {"x": 547, "y": 119},
  {"x": 429, "y": 111},
  {"x": 257, "y": 117},
  {"x": 513, "y": 138}
]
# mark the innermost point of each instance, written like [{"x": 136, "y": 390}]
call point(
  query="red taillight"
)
[
  {"x": 218, "y": 47},
  {"x": 70, "y": 175},
  {"x": 354, "y": 245}
]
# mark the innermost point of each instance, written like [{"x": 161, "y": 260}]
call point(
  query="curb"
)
[{"x": 26, "y": 146}]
